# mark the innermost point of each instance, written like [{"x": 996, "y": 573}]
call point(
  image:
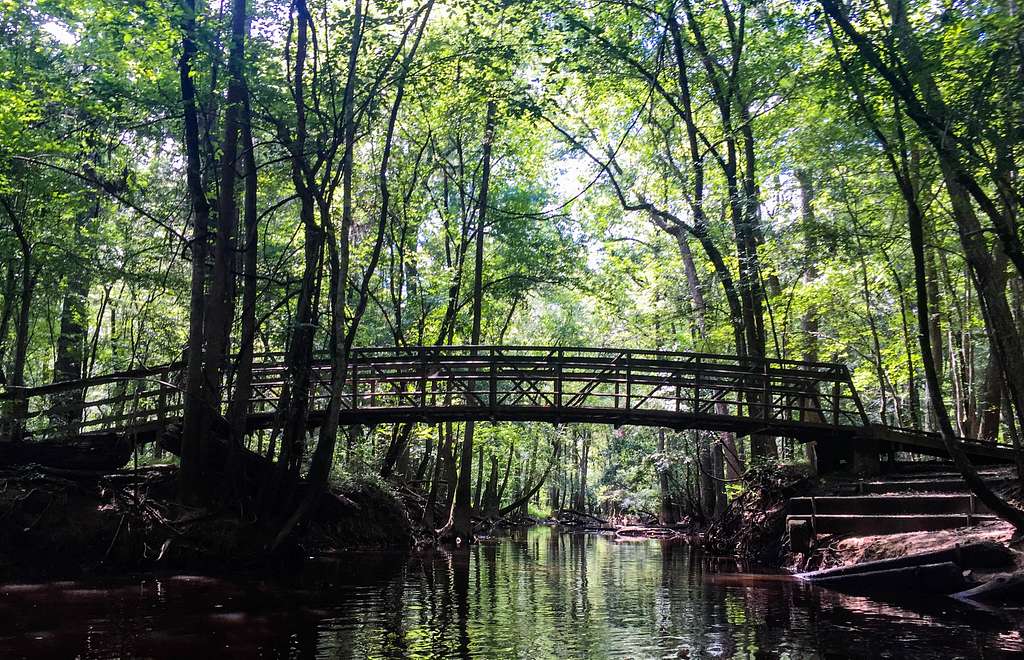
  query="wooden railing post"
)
[
  {"x": 767, "y": 394},
  {"x": 161, "y": 403},
  {"x": 835, "y": 401},
  {"x": 558, "y": 379},
  {"x": 423, "y": 377},
  {"x": 492, "y": 395},
  {"x": 696, "y": 386},
  {"x": 355, "y": 384},
  {"x": 629, "y": 380}
]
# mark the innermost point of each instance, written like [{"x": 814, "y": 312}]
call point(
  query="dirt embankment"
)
[
  {"x": 850, "y": 550},
  {"x": 753, "y": 526},
  {"x": 966, "y": 553},
  {"x": 931, "y": 485},
  {"x": 53, "y": 522}
]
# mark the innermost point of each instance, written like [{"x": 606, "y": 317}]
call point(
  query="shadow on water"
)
[{"x": 534, "y": 594}]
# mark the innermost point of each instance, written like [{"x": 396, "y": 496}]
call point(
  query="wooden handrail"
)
[{"x": 633, "y": 382}]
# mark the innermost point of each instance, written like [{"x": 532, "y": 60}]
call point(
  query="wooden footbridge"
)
[{"x": 806, "y": 401}]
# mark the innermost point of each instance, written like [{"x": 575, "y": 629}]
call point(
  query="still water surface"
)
[{"x": 538, "y": 594}]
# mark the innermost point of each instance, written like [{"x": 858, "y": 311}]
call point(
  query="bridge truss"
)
[{"x": 783, "y": 398}]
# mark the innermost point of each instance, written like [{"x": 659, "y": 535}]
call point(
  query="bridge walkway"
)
[{"x": 806, "y": 401}]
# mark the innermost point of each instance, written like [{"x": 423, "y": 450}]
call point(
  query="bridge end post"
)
[{"x": 860, "y": 455}]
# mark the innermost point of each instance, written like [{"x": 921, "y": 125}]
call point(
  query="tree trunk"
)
[
  {"x": 809, "y": 322},
  {"x": 489, "y": 503},
  {"x": 238, "y": 409},
  {"x": 666, "y": 512},
  {"x": 451, "y": 469},
  {"x": 708, "y": 485},
  {"x": 996, "y": 504},
  {"x": 22, "y": 329},
  {"x": 294, "y": 403},
  {"x": 527, "y": 475},
  {"x": 478, "y": 496},
  {"x": 220, "y": 299},
  {"x": 912, "y": 389},
  {"x": 991, "y": 400},
  {"x": 699, "y": 307},
  {"x": 10, "y": 293},
  {"x": 196, "y": 418},
  {"x": 71, "y": 342},
  {"x": 459, "y": 524},
  {"x": 492, "y": 508},
  {"x": 424, "y": 464},
  {"x": 581, "y": 493},
  {"x": 876, "y": 345},
  {"x": 439, "y": 464},
  {"x": 932, "y": 286}
]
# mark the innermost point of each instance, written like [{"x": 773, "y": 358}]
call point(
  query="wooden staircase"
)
[{"x": 898, "y": 504}]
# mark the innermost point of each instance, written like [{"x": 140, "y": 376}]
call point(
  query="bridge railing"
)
[
  {"x": 478, "y": 381},
  {"x": 484, "y": 377},
  {"x": 136, "y": 399}
]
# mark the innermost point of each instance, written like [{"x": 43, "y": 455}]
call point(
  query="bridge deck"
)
[{"x": 784, "y": 398}]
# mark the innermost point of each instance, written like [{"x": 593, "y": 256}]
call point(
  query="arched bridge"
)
[{"x": 783, "y": 398}]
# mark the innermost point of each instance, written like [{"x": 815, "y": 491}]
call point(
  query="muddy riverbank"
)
[{"x": 72, "y": 523}]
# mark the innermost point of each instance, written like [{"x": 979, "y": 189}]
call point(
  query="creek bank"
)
[
  {"x": 959, "y": 570},
  {"x": 952, "y": 546},
  {"x": 975, "y": 563},
  {"x": 78, "y": 522},
  {"x": 979, "y": 564},
  {"x": 753, "y": 526}
]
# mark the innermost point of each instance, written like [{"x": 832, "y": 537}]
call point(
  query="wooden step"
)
[
  {"x": 913, "y": 470},
  {"x": 946, "y": 475},
  {"x": 930, "y": 504},
  {"x": 944, "y": 485},
  {"x": 888, "y": 524}
]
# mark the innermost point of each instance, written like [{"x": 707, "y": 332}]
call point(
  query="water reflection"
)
[{"x": 536, "y": 594}]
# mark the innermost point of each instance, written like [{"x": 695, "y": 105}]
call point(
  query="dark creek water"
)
[{"x": 539, "y": 594}]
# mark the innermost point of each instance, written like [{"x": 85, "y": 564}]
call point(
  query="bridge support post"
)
[
  {"x": 860, "y": 456},
  {"x": 867, "y": 457}
]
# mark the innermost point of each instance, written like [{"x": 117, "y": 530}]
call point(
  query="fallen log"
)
[
  {"x": 928, "y": 579},
  {"x": 982, "y": 555},
  {"x": 650, "y": 532},
  {"x": 100, "y": 452},
  {"x": 998, "y": 589}
]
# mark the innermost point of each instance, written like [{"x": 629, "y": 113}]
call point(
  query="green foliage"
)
[{"x": 92, "y": 174}]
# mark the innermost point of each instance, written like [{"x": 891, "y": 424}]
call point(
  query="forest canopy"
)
[{"x": 209, "y": 181}]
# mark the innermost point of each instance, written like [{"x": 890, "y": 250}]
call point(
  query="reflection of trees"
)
[
  {"x": 444, "y": 581},
  {"x": 554, "y": 595},
  {"x": 553, "y": 598},
  {"x": 578, "y": 550},
  {"x": 559, "y": 595},
  {"x": 458, "y": 562},
  {"x": 393, "y": 615},
  {"x": 493, "y": 610},
  {"x": 688, "y": 611}
]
